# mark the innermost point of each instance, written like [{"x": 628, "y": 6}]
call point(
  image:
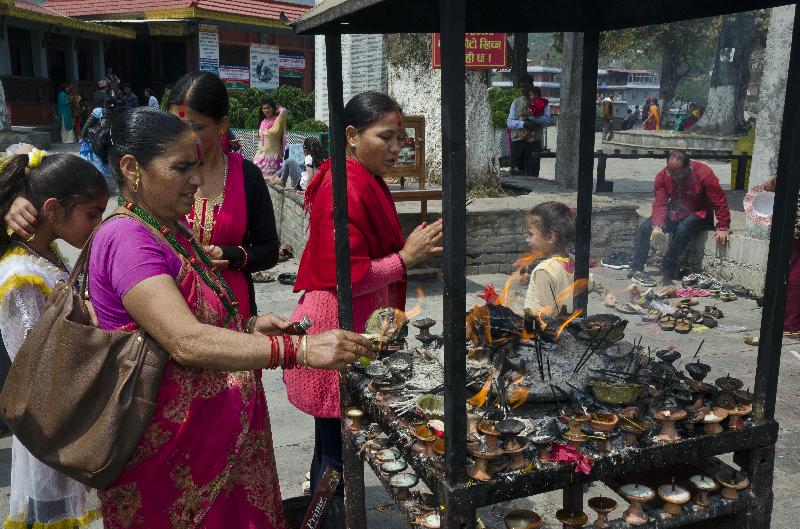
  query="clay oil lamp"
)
[
  {"x": 637, "y": 495},
  {"x": 509, "y": 428},
  {"x": 668, "y": 356},
  {"x": 515, "y": 449},
  {"x": 737, "y": 414},
  {"x": 633, "y": 430},
  {"x": 402, "y": 483},
  {"x": 743, "y": 396},
  {"x": 472, "y": 422},
  {"x": 424, "y": 325},
  {"x": 698, "y": 370},
  {"x": 355, "y": 415},
  {"x": 603, "y": 507},
  {"x": 386, "y": 455},
  {"x": 726, "y": 398},
  {"x": 732, "y": 483},
  {"x": 668, "y": 418},
  {"x": 543, "y": 443},
  {"x": 489, "y": 430},
  {"x": 393, "y": 467},
  {"x": 603, "y": 424},
  {"x": 377, "y": 370},
  {"x": 425, "y": 439},
  {"x": 694, "y": 417},
  {"x": 702, "y": 391},
  {"x": 572, "y": 519},
  {"x": 705, "y": 486},
  {"x": 713, "y": 419},
  {"x": 482, "y": 455},
  {"x": 522, "y": 519},
  {"x": 674, "y": 496},
  {"x": 575, "y": 435}
]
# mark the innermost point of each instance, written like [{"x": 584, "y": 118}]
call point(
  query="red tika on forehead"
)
[
  {"x": 182, "y": 110},
  {"x": 399, "y": 120}
]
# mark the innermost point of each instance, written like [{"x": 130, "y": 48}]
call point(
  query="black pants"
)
[
  {"x": 5, "y": 365},
  {"x": 682, "y": 233},
  {"x": 524, "y": 156},
  {"x": 327, "y": 451}
]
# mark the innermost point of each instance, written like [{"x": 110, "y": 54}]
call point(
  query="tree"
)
[
  {"x": 4, "y": 125},
  {"x": 417, "y": 87},
  {"x": 682, "y": 48},
  {"x": 519, "y": 58},
  {"x": 738, "y": 36}
]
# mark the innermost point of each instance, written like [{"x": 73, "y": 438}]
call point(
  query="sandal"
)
[
  {"x": 667, "y": 322},
  {"x": 683, "y": 325},
  {"x": 751, "y": 340},
  {"x": 686, "y": 302},
  {"x": 709, "y": 322},
  {"x": 727, "y": 295},
  {"x": 714, "y": 312},
  {"x": 652, "y": 316},
  {"x": 666, "y": 292}
]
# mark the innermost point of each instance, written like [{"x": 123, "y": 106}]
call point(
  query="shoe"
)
[
  {"x": 751, "y": 340},
  {"x": 652, "y": 316},
  {"x": 667, "y": 322},
  {"x": 683, "y": 325},
  {"x": 714, "y": 312},
  {"x": 690, "y": 280},
  {"x": 709, "y": 322},
  {"x": 642, "y": 279},
  {"x": 616, "y": 261},
  {"x": 726, "y": 295}
]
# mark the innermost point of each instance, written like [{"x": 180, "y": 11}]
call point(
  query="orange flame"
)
[
  {"x": 517, "y": 396},
  {"x": 479, "y": 399},
  {"x": 566, "y": 322},
  {"x": 525, "y": 336},
  {"x": 417, "y": 308},
  {"x": 526, "y": 259},
  {"x": 577, "y": 287},
  {"x": 504, "y": 298},
  {"x": 478, "y": 320},
  {"x": 542, "y": 324}
]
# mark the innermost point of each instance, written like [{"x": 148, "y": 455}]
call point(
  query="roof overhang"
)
[
  {"x": 197, "y": 13},
  {"x": 42, "y": 17},
  {"x": 422, "y": 16}
]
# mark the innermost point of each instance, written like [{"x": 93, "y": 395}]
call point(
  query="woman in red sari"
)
[
  {"x": 379, "y": 256},
  {"x": 206, "y": 460}
]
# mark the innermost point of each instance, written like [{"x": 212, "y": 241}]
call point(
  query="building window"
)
[
  {"x": 21, "y": 51},
  {"x": 231, "y": 55}
]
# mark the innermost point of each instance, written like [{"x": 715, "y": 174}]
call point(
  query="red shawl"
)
[{"x": 374, "y": 228}]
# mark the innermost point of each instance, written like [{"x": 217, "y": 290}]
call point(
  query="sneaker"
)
[
  {"x": 642, "y": 279},
  {"x": 616, "y": 261}
]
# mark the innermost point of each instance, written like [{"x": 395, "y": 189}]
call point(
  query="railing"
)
[{"x": 249, "y": 139}]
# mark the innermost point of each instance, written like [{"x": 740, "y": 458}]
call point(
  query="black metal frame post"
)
[
  {"x": 353, "y": 467},
  {"x": 583, "y": 217}
]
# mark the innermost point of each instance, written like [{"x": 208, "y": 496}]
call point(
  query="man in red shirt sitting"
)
[{"x": 687, "y": 197}]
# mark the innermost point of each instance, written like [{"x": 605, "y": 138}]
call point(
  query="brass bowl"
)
[
  {"x": 616, "y": 392},
  {"x": 432, "y": 406}
]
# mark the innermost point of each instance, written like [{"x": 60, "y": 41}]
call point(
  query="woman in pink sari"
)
[
  {"x": 271, "y": 140},
  {"x": 206, "y": 459}
]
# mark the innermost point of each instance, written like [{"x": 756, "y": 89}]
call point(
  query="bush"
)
[
  {"x": 245, "y": 106},
  {"x": 500, "y": 100},
  {"x": 311, "y": 125}
]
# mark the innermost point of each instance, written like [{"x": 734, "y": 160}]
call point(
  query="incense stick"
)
[{"x": 698, "y": 349}]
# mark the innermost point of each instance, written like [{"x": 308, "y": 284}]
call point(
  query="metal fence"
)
[{"x": 249, "y": 140}]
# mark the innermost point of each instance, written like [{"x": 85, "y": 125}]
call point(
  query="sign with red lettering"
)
[{"x": 482, "y": 51}]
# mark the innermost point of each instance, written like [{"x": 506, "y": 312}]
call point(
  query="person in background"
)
[
  {"x": 75, "y": 107},
  {"x": 165, "y": 97},
  {"x": 791, "y": 316},
  {"x": 129, "y": 99},
  {"x": 637, "y": 114},
  {"x": 151, "y": 99},
  {"x": 64, "y": 115},
  {"x": 687, "y": 198},
  {"x": 69, "y": 196},
  {"x": 290, "y": 170},
  {"x": 113, "y": 81},
  {"x": 522, "y": 159},
  {"x": 608, "y": 116},
  {"x": 379, "y": 256},
  {"x": 271, "y": 137},
  {"x": 653, "y": 121},
  {"x": 551, "y": 234},
  {"x": 629, "y": 121},
  {"x": 101, "y": 94},
  {"x": 89, "y": 141}
]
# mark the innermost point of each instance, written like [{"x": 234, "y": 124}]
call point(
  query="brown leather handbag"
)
[{"x": 78, "y": 397}]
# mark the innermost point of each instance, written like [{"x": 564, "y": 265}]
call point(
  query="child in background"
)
[
  {"x": 537, "y": 107},
  {"x": 70, "y": 196},
  {"x": 551, "y": 234},
  {"x": 312, "y": 149}
]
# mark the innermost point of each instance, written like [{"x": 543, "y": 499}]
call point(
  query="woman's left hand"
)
[
  {"x": 215, "y": 254},
  {"x": 272, "y": 324}
]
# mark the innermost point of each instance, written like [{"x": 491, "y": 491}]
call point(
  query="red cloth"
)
[
  {"x": 699, "y": 193},
  {"x": 374, "y": 228},
  {"x": 537, "y": 106}
]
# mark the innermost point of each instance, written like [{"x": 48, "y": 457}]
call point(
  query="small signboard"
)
[
  {"x": 482, "y": 51},
  {"x": 235, "y": 77},
  {"x": 292, "y": 65},
  {"x": 209, "y": 49},
  {"x": 411, "y": 161},
  {"x": 264, "y": 66}
]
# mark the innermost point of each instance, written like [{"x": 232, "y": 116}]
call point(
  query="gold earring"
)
[{"x": 135, "y": 186}]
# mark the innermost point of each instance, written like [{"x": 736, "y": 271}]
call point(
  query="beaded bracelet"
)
[
  {"x": 250, "y": 326},
  {"x": 244, "y": 258}
]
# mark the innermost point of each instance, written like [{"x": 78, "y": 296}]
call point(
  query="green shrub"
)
[
  {"x": 500, "y": 100},
  {"x": 311, "y": 125},
  {"x": 245, "y": 105}
]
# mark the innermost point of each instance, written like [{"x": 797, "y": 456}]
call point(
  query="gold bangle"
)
[{"x": 304, "y": 346}]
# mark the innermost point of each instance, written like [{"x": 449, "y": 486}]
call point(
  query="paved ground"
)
[{"x": 724, "y": 350}]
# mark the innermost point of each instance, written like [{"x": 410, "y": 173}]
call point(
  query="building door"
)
[
  {"x": 173, "y": 61},
  {"x": 57, "y": 66}
]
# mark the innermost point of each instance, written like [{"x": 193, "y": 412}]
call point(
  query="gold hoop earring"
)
[{"x": 135, "y": 186}]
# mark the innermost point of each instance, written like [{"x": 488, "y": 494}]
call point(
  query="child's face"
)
[
  {"x": 538, "y": 240},
  {"x": 82, "y": 220}
]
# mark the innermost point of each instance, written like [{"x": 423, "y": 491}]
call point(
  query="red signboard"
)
[{"x": 482, "y": 51}]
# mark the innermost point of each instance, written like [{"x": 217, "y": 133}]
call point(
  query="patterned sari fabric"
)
[{"x": 206, "y": 460}]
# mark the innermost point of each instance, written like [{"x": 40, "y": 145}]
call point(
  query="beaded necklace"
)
[{"x": 220, "y": 287}]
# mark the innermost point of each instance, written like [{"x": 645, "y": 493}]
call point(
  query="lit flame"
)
[
  {"x": 526, "y": 336},
  {"x": 577, "y": 287},
  {"x": 479, "y": 399},
  {"x": 542, "y": 324},
  {"x": 417, "y": 308},
  {"x": 517, "y": 396},
  {"x": 478, "y": 319},
  {"x": 504, "y": 298},
  {"x": 563, "y": 326},
  {"x": 526, "y": 259}
]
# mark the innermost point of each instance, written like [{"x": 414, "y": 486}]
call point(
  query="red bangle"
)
[
  {"x": 244, "y": 258},
  {"x": 289, "y": 352},
  {"x": 274, "y": 352}
]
